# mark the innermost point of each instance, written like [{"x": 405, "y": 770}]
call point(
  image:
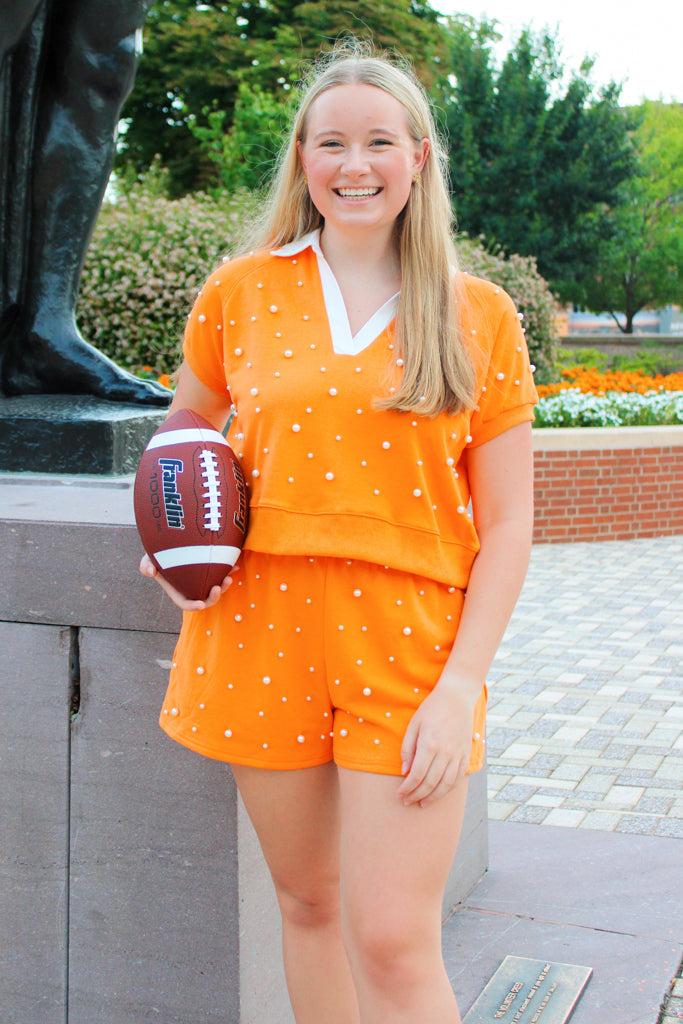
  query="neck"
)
[{"x": 375, "y": 250}]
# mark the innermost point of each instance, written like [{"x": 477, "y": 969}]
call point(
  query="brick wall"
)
[{"x": 608, "y": 484}]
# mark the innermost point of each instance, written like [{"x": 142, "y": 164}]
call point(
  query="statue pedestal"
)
[
  {"x": 73, "y": 434},
  {"x": 133, "y": 884}
]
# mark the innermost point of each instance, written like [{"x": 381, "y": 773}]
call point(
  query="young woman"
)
[{"x": 376, "y": 391}]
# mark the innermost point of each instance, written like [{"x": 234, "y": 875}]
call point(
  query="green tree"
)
[
  {"x": 640, "y": 264},
  {"x": 202, "y": 58},
  {"x": 533, "y": 156},
  {"x": 245, "y": 155}
]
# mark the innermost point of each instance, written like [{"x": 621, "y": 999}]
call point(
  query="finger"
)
[
  {"x": 216, "y": 592},
  {"x": 448, "y": 782},
  {"x": 408, "y": 747},
  {"x": 426, "y": 778},
  {"x": 179, "y": 599},
  {"x": 417, "y": 772},
  {"x": 434, "y": 778},
  {"x": 147, "y": 567}
]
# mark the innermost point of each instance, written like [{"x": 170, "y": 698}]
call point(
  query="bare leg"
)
[
  {"x": 394, "y": 866},
  {"x": 89, "y": 71},
  {"x": 296, "y": 816}
]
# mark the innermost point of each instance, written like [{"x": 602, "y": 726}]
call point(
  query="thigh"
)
[
  {"x": 296, "y": 818},
  {"x": 395, "y": 860}
]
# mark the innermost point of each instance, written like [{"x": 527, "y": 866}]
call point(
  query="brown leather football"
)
[{"x": 191, "y": 504}]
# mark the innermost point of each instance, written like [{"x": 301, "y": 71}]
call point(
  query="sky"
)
[{"x": 638, "y": 44}]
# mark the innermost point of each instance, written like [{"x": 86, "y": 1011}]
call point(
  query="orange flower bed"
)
[{"x": 597, "y": 382}]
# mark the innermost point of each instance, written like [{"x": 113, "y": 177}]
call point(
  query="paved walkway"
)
[
  {"x": 585, "y": 732},
  {"x": 585, "y": 726}
]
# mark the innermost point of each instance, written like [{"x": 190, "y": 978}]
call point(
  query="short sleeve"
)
[
  {"x": 508, "y": 393},
  {"x": 203, "y": 343}
]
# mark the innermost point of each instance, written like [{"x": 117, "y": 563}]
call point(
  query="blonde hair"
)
[{"x": 438, "y": 374}]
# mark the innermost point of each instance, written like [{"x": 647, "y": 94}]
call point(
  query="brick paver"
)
[{"x": 585, "y": 724}]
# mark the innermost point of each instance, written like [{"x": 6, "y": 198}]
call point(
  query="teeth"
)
[{"x": 353, "y": 192}]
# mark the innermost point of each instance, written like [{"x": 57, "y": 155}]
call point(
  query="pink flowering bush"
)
[
  {"x": 148, "y": 258},
  {"x": 532, "y": 296}
]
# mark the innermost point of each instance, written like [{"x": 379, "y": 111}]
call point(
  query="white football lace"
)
[{"x": 211, "y": 496}]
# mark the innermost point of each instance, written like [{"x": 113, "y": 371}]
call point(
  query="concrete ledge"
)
[{"x": 581, "y": 439}]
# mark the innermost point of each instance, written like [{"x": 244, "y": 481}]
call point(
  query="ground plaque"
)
[{"x": 526, "y": 991}]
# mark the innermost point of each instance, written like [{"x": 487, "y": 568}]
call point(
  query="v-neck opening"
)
[{"x": 343, "y": 341}]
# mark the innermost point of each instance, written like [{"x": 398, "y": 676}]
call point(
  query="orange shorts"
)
[{"x": 308, "y": 660}]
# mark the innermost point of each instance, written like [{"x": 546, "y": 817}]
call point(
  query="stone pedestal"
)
[
  {"x": 132, "y": 885},
  {"x": 73, "y": 434}
]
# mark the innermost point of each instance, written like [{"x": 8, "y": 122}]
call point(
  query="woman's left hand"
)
[{"x": 437, "y": 744}]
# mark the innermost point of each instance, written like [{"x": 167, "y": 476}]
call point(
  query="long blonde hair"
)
[{"x": 438, "y": 374}]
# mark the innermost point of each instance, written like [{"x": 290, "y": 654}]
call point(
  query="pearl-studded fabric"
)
[
  {"x": 343, "y": 342},
  {"x": 307, "y": 660},
  {"x": 329, "y": 474}
]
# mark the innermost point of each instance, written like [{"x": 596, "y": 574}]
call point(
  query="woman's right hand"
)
[{"x": 149, "y": 570}]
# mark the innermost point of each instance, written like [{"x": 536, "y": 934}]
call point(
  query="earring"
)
[
  {"x": 305, "y": 179},
  {"x": 417, "y": 177}
]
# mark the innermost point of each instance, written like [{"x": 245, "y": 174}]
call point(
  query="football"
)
[{"x": 191, "y": 505}]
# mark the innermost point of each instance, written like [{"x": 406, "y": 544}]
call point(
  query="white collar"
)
[
  {"x": 343, "y": 342},
  {"x": 299, "y": 244}
]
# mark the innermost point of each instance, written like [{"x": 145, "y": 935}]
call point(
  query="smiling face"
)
[{"x": 359, "y": 157}]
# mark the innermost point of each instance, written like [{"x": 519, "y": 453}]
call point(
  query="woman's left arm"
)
[{"x": 437, "y": 744}]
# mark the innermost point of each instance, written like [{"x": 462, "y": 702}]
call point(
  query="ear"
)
[
  {"x": 301, "y": 154},
  {"x": 421, "y": 154}
]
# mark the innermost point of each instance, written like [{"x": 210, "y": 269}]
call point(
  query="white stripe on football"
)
[
  {"x": 187, "y": 436},
  {"x": 197, "y": 554}
]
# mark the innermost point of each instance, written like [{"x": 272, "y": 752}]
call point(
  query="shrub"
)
[
  {"x": 649, "y": 359},
  {"x": 148, "y": 257},
  {"x": 575, "y": 408},
  {"x": 532, "y": 296}
]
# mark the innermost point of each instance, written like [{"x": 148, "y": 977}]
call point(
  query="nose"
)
[{"x": 356, "y": 161}]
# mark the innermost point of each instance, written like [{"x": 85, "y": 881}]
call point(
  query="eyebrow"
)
[{"x": 371, "y": 131}]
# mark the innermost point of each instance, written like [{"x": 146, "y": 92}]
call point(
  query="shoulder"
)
[
  {"x": 232, "y": 272},
  {"x": 485, "y": 309},
  {"x": 478, "y": 294}
]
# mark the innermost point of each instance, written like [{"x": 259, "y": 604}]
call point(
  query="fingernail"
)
[{"x": 404, "y": 768}]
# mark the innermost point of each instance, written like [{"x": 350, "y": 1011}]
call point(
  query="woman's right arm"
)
[{"x": 192, "y": 394}]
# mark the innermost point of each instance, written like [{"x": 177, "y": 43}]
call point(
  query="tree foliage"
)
[
  {"x": 640, "y": 263},
  {"x": 201, "y": 58},
  {"x": 533, "y": 157}
]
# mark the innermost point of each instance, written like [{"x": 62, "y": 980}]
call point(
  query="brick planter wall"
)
[{"x": 608, "y": 483}]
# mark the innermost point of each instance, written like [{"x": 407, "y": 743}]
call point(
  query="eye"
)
[
  {"x": 380, "y": 142},
  {"x": 330, "y": 144}
]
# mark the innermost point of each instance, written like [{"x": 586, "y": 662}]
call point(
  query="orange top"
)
[{"x": 328, "y": 474}]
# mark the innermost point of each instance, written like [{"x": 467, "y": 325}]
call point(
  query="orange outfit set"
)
[{"x": 347, "y": 596}]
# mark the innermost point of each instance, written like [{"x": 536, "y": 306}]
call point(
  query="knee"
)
[
  {"x": 310, "y": 904},
  {"x": 391, "y": 950}
]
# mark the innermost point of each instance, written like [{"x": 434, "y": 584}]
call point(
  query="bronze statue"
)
[{"x": 66, "y": 67}]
